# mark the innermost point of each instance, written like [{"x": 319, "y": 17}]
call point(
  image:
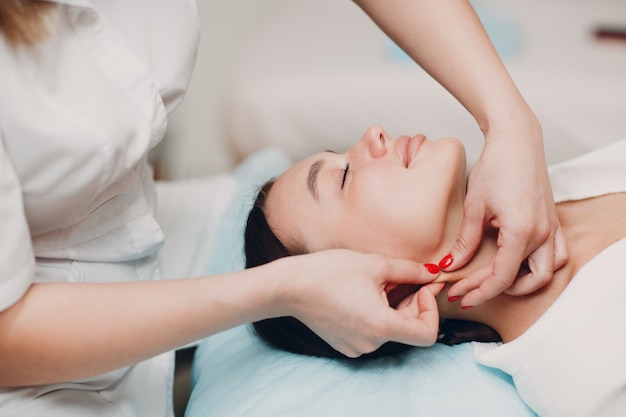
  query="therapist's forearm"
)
[
  {"x": 446, "y": 38},
  {"x": 65, "y": 331}
]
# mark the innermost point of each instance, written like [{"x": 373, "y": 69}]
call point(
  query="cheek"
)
[
  {"x": 319, "y": 227},
  {"x": 401, "y": 217},
  {"x": 375, "y": 218}
]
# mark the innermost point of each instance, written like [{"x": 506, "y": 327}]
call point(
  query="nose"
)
[{"x": 373, "y": 143}]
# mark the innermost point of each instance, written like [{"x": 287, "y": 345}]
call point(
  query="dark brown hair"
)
[
  {"x": 23, "y": 22},
  {"x": 261, "y": 245}
]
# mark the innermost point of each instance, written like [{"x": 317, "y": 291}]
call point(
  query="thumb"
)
[
  {"x": 466, "y": 243},
  {"x": 402, "y": 271}
]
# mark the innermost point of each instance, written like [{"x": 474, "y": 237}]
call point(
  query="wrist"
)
[
  {"x": 280, "y": 287},
  {"x": 509, "y": 119}
]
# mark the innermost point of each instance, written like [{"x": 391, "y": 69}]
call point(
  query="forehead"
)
[
  {"x": 301, "y": 178},
  {"x": 290, "y": 201}
]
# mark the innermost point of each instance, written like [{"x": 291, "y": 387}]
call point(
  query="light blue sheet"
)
[{"x": 236, "y": 375}]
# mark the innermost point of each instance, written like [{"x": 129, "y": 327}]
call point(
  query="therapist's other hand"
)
[
  {"x": 341, "y": 296},
  {"x": 509, "y": 189}
]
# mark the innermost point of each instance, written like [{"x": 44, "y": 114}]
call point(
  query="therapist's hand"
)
[
  {"x": 509, "y": 189},
  {"x": 341, "y": 296}
]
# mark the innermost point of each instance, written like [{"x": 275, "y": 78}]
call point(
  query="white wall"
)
[{"x": 195, "y": 143}]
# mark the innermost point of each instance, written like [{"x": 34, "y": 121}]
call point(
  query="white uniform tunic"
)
[
  {"x": 78, "y": 114},
  {"x": 571, "y": 362}
]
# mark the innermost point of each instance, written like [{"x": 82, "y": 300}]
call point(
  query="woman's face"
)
[{"x": 401, "y": 198}]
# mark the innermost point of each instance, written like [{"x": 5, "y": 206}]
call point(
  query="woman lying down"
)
[{"x": 563, "y": 345}]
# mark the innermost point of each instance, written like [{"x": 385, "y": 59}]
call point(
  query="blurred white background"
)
[{"x": 308, "y": 75}]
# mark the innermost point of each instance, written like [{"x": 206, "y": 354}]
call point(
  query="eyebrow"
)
[{"x": 314, "y": 171}]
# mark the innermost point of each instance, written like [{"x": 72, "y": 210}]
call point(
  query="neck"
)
[
  {"x": 509, "y": 315},
  {"x": 589, "y": 226}
]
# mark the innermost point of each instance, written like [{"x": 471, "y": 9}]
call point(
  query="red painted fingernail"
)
[
  {"x": 466, "y": 307},
  {"x": 454, "y": 298},
  {"x": 432, "y": 268},
  {"x": 446, "y": 261}
]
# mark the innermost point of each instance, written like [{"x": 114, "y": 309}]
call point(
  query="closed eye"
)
[{"x": 345, "y": 173}]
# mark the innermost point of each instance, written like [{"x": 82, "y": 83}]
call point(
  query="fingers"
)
[
  {"x": 560, "y": 249},
  {"x": 469, "y": 284},
  {"x": 494, "y": 278},
  {"x": 466, "y": 243},
  {"x": 435, "y": 287},
  {"x": 401, "y": 271},
  {"x": 417, "y": 321},
  {"x": 368, "y": 320},
  {"x": 541, "y": 265},
  {"x": 500, "y": 275},
  {"x": 546, "y": 259}
]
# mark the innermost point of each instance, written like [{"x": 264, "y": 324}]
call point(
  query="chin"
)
[
  {"x": 456, "y": 145},
  {"x": 453, "y": 152}
]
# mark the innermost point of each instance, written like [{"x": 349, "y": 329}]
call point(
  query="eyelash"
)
[{"x": 345, "y": 173}]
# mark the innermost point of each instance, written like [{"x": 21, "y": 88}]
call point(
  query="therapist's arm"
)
[
  {"x": 509, "y": 186},
  {"x": 64, "y": 331}
]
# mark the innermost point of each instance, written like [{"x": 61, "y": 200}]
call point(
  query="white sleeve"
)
[{"x": 17, "y": 261}]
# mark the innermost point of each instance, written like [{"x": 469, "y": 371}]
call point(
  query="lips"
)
[{"x": 408, "y": 147}]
